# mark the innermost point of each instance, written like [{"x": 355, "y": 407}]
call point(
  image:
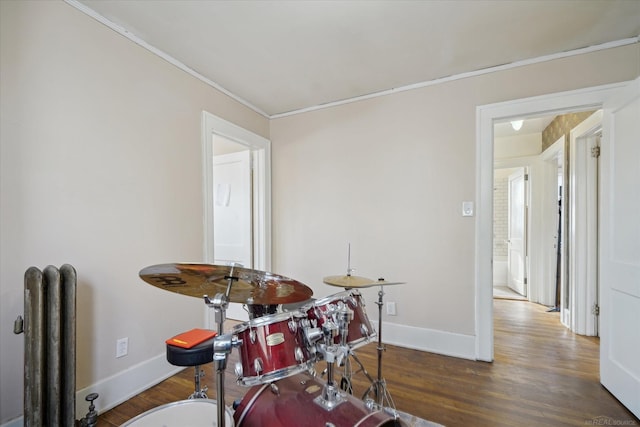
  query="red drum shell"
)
[
  {"x": 289, "y": 402},
  {"x": 278, "y": 344},
  {"x": 361, "y": 330}
]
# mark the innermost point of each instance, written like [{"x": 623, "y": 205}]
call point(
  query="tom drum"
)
[
  {"x": 360, "y": 332},
  {"x": 272, "y": 347}
]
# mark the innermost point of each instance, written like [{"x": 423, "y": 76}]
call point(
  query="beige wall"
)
[
  {"x": 101, "y": 168},
  {"x": 389, "y": 175}
]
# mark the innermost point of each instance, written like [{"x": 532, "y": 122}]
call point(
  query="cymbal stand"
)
[
  {"x": 379, "y": 386},
  {"x": 222, "y": 343}
]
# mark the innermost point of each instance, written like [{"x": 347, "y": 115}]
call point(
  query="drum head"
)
[{"x": 184, "y": 413}]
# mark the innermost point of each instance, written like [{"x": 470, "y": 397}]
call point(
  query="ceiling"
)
[{"x": 279, "y": 57}]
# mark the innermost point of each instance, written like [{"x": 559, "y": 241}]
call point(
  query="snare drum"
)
[
  {"x": 195, "y": 413},
  {"x": 272, "y": 347},
  {"x": 361, "y": 331},
  {"x": 290, "y": 402}
]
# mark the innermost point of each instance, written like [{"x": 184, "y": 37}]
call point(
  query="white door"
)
[
  {"x": 516, "y": 232},
  {"x": 232, "y": 209},
  {"x": 620, "y": 248}
]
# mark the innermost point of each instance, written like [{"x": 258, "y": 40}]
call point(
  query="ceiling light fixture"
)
[{"x": 516, "y": 124}]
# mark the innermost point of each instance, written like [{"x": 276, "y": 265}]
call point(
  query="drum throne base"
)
[{"x": 195, "y": 356}]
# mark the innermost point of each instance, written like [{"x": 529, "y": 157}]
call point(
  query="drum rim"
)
[
  {"x": 276, "y": 375},
  {"x": 329, "y": 299},
  {"x": 177, "y": 403},
  {"x": 267, "y": 320}
]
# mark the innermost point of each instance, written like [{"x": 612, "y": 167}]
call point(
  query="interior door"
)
[
  {"x": 232, "y": 209},
  {"x": 620, "y": 248},
  {"x": 516, "y": 232}
]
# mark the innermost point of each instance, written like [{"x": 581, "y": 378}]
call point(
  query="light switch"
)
[{"x": 467, "y": 208}]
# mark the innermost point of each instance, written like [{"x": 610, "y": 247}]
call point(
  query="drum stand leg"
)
[
  {"x": 345, "y": 383},
  {"x": 379, "y": 386},
  {"x": 199, "y": 393}
]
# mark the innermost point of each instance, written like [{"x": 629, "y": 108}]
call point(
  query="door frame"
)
[
  {"x": 551, "y": 157},
  {"x": 261, "y": 160},
  {"x": 486, "y": 115},
  {"x": 583, "y": 232}
]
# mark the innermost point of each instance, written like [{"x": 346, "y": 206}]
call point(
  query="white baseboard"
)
[
  {"x": 439, "y": 342},
  {"x": 120, "y": 387},
  {"x": 16, "y": 422},
  {"x": 124, "y": 385}
]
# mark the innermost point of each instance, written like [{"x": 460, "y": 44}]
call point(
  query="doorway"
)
[
  {"x": 236, "y": 200},
  {"x": 552, "y": 245},
  {"x": 487, "y": 117},
  {"x": 509, "y": 251}
]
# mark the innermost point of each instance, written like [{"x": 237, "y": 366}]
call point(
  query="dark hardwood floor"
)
[{"x": 543, "y": 375}]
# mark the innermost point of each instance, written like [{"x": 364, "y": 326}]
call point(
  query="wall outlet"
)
[
  {"x": 391, "y": 308},
  {"x": 122, "y": 347}
]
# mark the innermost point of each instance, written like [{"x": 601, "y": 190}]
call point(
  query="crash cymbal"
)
[
  {"x": 356, "y": 282},
  {"x": 249, "y": 286}
]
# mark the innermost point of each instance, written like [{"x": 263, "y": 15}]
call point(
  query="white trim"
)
[
  {"x": 583, "y": 231},
  {"x": 95, "y": 15},
  {"x": 125, "y": 384},
  {"x": 430, "y": 340},
  {"x": 545, "y": 58},
  {"x": 486, "y": 115},
  {"x": 16, "y": 422},
  {"x": 549, "y": 216}
]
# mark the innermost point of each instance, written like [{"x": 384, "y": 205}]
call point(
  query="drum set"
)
[{"x": 287, "y": 334}]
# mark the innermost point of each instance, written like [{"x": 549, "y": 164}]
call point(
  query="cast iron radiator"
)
[{"x": 50, "y": 346}]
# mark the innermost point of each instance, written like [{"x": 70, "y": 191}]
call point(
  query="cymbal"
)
[
  {"x": 356, "y": 282},
  {"x": 249, "y": 286}
]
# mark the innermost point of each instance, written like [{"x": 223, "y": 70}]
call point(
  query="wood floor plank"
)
[{"x": 542, "y": 375}]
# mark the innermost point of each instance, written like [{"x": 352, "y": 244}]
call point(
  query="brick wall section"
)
[{"x": 500, "y": 211}]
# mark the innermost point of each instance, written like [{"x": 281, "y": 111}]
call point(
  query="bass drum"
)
[
  {"x": 193, "y": 413},
  {"x": 290, "y": 402}
]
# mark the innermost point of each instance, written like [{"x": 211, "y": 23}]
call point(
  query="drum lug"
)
[
  {"x": 293, "y": 326},
  {"x": 364, "y": 330},
  {"x": 274, "y": 389},
  {"x": 370, "y": 404},
  {"x": 238, "y": 370},
  {"x": 312, "y": 335},
  {"x": 252, "y": 336},
  {"x": 257, "y": 365},
  {"x": 299, "y": 354},
  {"x": 351, "y": 299}
]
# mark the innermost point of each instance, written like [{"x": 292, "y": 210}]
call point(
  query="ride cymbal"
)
[
  {"x": 356, "y": 282},
  {"x": 249, "y": 286}
]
